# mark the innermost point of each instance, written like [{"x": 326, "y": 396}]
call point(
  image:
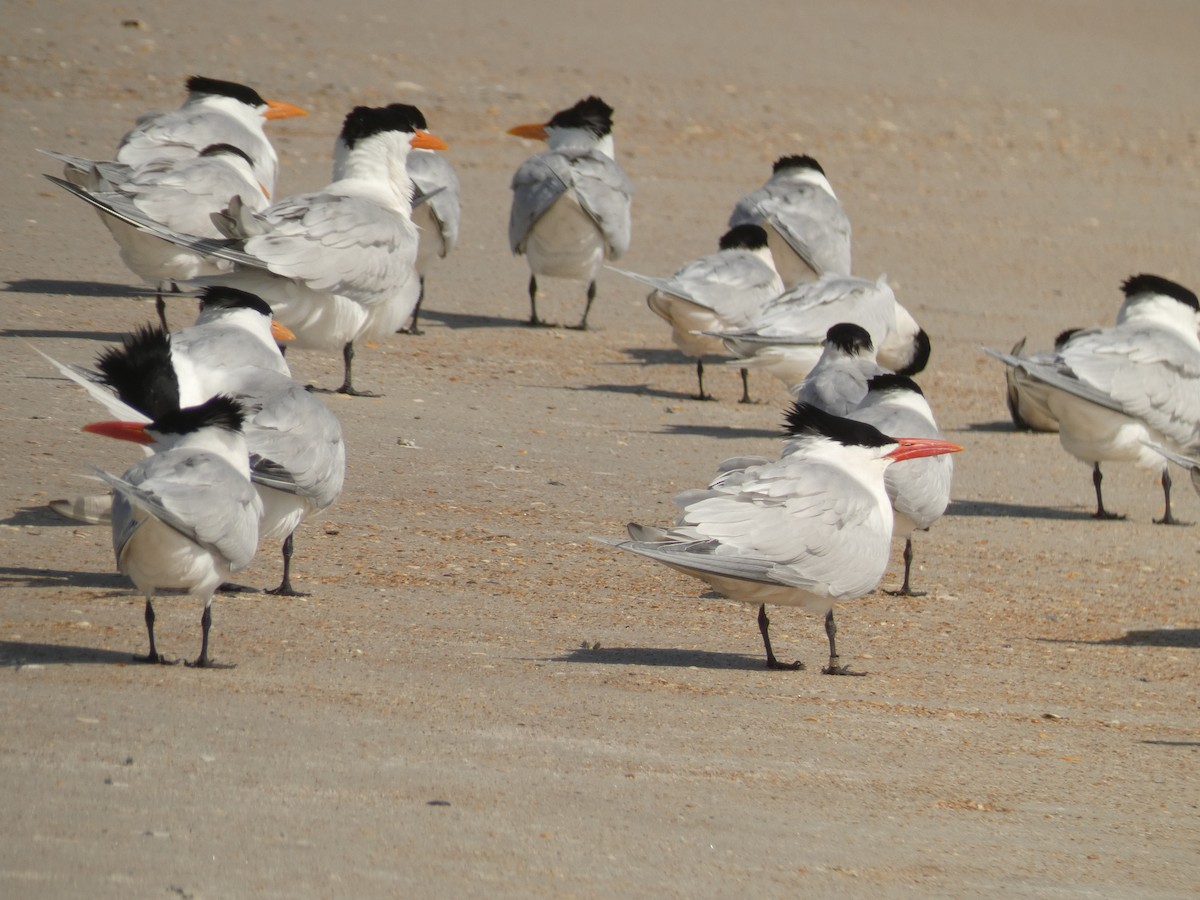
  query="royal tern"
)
[
  {"x": 336, "y": 265},
  {"x": 1114, "y": 390},
  {"x": 786, "y": 339},
  {"x": 808, "y": 231},
  {"x": 810, "y": 529},
  {"x": 187, "y": 516},
  {"x": 1026, "y": 396},
  {"x": 180, "y": 194},
  {"x": 838, "y": 381},
  {"x": 436, "y": 213},
  {"x": 723, "y": 290},
  {"x": 570, "y": 209},
  {"x": 919, "y": 491},
  {"x": 214, "y": 112}
]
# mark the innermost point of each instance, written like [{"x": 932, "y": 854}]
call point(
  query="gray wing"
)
[
  {"x": 183, "y": 195},
  {"x": 811, "y": 222},
  {"x": 94, "y": 174},
  {"x": 1054, "y": 373},
  {"x": 837, "y": 385},
  {"x": 436, "y": 185},
  {"x": 214, "y": 345},
  {"x": 603, "y": 190},
  {"x": 183, "y": 133},
  {"x": 197, "y": 494}
]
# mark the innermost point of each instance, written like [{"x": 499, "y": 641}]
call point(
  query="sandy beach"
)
[{"x": 476, "y": 699}]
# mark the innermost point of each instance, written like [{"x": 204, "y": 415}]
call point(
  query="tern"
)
[
  {"x": 724, "y": 290},
  {"x": 920, "y": 490},
  {"x": 808, "y": 231},
  {"x": 788, "y": 336},
  {"x": 838, "y": 382},
  {"x": 437, "y": 210},
  {"x": 187, "y": 516},
  {"x": 570, "y": 207},
  {"x": 181, "y": 194},
  {"x": 810, "y": 529},
  {"x": 214, "y": 112},
  {"x": 1114, "y": 390},
  {"x": 1026, "y": 396},
  {"x": 336, "y": 265}
]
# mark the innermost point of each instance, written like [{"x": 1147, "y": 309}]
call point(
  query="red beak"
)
[
  {"x": 915, "y": 448},
  {"x": 122, "y": 431}
]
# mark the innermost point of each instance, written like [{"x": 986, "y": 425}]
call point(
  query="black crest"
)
[
  {"x": 141, "y": 373},
  {"x": 218, "y": 149},
  {"x": 806, "y": 420},
  {"x": 591, "y": 113},
  {"x": 221, "y": 297},
  {"x": 198, "y": 84},
  {"x": 366, "y": 121},
  {"x": 803, "y": 161},
  {"x": 220, "y": 411},
  {"x": 891, "y": 382},
  {"x": 744, "y": 237},
  {"x": 1154, "y": 284},
  {"x": 851, "y": 339},
  {"x": 920, "y": 357}
]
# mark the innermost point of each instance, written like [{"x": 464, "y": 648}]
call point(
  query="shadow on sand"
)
[
  {"x": 15, "y": 654},
  {"x": 994, "y": 509},
  {"x": 663, "y": 657},
  {"x": 22, "y": 576}
]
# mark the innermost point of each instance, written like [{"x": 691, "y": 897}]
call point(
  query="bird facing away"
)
[
  {"x": 788, "y": 336},
  {"x": 187, "y": 516},
  {"x": 807, "y": 228},
  {"x": 437, "y": 211},
  {"x": 810, "y": 529},
  {"x": 1026, "y": 396},
  {"x": 723, "y": 290},
  {"x": 919, "y": 490},
  {"x": 1115, "y": 390},
  {"x": 571, "y": 202},
  {"x": 838, "y": 382},
  {"x": 214, "y": 112},
  {"x": 335, "y": 265}
]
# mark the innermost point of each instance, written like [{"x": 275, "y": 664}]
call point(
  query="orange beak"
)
[
  {"x": 915, "y": 448},
  {"x": 529, "y": 132},
  {"x": 423, "y": 140},
  {"x": 122, "y": 431},
  {"x": 281, "y": 332},
  {"x": 277, "y": 109}
]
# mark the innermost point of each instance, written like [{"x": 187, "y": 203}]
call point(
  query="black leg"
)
[
  {"x": 772, "y": 663},
  {"x": 160, "y": 307},
  {"x": 700, "y": 395},
  {"x": 1167, "y": 518},
  {"x": 411, "y": 327},
  {"x": 745, "y": 387},
  {"x": 534, "y": 321},
  {"x": 831, "y": 632},
  {"x": 1101, "y": 512},
  {"x": 587, "y": 308},
  {"x": 153, "y": 656},
  {"x": 285, "y": 588},
  {"x": 202, "y": 661},
  {"x": 348, "y": 383},
  {"x": 905, "y": 589}
]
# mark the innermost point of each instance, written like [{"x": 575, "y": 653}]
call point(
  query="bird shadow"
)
[
  {"x": 25, "y": 576},
  {"x": 456, "y": 321},
  {"x": 998, "y": 426},
  {"x": 38, "y": 516},
  {"x": 108, "y": 336},
  {"x": 15, "y": 654},
  {"x": 65, "y": 288},
  {"x": 1154, "y": 637},
  {"x": 724, "y": 432},
  {"x": 997, "y": 510},
  {"x": 658, "y": 356},
  {"x": 637, "y": 390},
  {"x": 661, "y": 657},
  {"x": 1173, "y": 743}
]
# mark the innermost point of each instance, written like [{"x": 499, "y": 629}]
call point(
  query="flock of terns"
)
[{"x": 240, "y": 453}]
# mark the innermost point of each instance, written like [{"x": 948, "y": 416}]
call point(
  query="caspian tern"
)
[
  {"x": 336, "y": 265},
  {"x": 806, "y": 226},
  {"x": 838, "y": 382},
  {"x": 723, "y": 290},
  {"x": 214, "y": 112},
  {"x": 1026, "y": 396},
  {"x": 919, "y": 491},
  {"x": 1114, "y": 390},
  {"x": 787, "y": 338},
  {"x": 570, "y": 209},
  {"x": 810, "y": 529},
  {"x": 180, "y": 194},
  {"x": 187, "y": 516}
]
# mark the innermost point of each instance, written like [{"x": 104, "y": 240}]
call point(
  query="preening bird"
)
[
  {"x": 1115, "y": 390},
  {"x": 808, "y": 230},
  {"x": 437, "y": 210},
  {"x": 838, "y": 382},
  {"x": 336, "y": 265},
  {"x": 182, "y": 194},
  {"x": 571, "y": 202},
  {"x": 810, "y": 529},
  {"x": 1026, "y": 396},
  {"x": 788, "y": 336},
  {"x": 187, "y": 516},
  {"x": 919, "y": 490},
  {"x": 724, "y": 290}
]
